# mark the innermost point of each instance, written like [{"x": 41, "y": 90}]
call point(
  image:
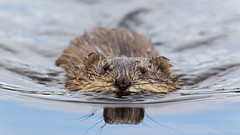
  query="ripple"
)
[{"x": 202, "y": 44}]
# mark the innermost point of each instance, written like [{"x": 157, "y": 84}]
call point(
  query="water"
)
[{"x": 201, "y": 38}]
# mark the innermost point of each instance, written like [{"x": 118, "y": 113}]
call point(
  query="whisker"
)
[
  {"x": 96, "y": 88},
  {"x": 101, "y": 129},
  {"x": 92, "y": 127},
  {"x": 146, "y": 126},
  {"x": 87, "y": 116},
  {"x": 158, "y": 123}
]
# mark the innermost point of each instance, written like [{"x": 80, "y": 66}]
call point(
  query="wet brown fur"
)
[{"x": 125, "y": 53}]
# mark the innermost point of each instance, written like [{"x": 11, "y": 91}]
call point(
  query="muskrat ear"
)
[
  {"x": 160, "y": 63},
  {"x": 93, "y": 58}
]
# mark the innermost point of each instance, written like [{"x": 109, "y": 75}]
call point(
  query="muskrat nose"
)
[{"x": 123, "y": 83}]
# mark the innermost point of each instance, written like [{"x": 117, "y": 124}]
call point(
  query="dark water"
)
[{"x": 201, "y": 38}]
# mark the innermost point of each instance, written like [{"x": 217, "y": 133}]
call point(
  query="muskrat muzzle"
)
[{"x": 122, "y": 83}]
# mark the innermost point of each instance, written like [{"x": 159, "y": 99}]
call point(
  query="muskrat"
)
[{"x": 118, "y": 60}]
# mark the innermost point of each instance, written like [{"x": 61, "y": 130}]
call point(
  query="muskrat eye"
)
[
  {"x": 143, "y": 70},
  {"x": 106, "y": 67}
]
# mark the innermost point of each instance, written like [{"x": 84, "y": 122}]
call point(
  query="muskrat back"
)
[{"x": 118, "y": 60}]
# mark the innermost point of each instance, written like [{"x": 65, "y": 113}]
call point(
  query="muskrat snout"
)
[{"x": 123, "y": 83}]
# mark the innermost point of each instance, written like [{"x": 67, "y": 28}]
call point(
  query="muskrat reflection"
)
[
  {"x": 116, "y": 116},
  {"x": 122, "y": 115}
]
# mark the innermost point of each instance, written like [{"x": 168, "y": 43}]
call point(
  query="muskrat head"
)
[{"x": 123, "y": 75}]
